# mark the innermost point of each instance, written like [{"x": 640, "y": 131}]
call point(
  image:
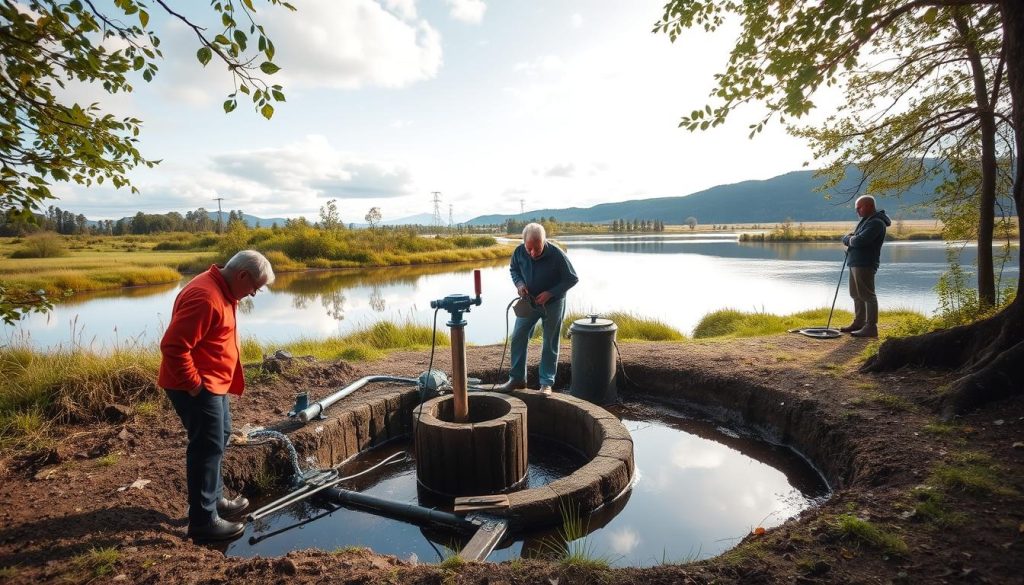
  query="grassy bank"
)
[
  {"x": 631, "y": 327},
  {"x": 40, "y": 390},
  {"x": 900, "y": 230},
  {"x": 57, "y": 264},
  {"x": 729, "y": 323}
]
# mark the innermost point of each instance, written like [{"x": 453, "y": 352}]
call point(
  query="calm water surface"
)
[
  {"x": 699, "y": 489},
  {"x": 677, "y": 279}
]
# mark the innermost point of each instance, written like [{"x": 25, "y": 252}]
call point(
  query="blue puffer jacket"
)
[{"x": 865, "y": 243}]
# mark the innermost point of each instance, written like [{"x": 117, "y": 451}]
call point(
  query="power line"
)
[
  {"x": 220, "y": 215},
  {"x": 437, "y": 208}
]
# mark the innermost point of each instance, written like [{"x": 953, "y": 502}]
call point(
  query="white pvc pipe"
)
[{"x": 314, "y": 410}]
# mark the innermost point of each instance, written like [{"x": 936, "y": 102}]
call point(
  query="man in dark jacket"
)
[
  {"x": 863, "y": 249},
  {"x": 542, "y": 274}
]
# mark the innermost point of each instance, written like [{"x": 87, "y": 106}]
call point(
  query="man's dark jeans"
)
[{"x": 207, "y": 420}]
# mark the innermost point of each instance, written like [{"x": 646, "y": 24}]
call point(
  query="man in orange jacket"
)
[{"x": 201, "y": 365}]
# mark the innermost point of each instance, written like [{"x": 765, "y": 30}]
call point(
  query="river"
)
[{"x": 675, "y": 278}]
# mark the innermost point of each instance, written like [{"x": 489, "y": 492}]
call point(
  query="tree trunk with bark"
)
[{"x": 988, "y": 354}]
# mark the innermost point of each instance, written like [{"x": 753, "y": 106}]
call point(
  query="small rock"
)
[
  {"x": 278, "y": 410},
  {"x": 999, "y": 422},
  {"x": 1018, "y": 445},
  {"x": 124, "y": 435},
  {"x": 121, "y": 577},
  {"x": 45, "y": 473},
  {"x": 138, "y": 484},
  {"x": 286, "y": 566},
  {"x": 116, "y": 413}
]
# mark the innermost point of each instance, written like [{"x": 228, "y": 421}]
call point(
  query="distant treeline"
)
[
  {"x": 69, "y": 223},
  {"x": 201, "y": 221}
]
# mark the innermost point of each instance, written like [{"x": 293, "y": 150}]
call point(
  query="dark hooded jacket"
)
[{"x": 865, "y": 243}]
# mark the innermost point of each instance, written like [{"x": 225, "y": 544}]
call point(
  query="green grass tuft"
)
[
  {"x": 930, "y": 506},
  {"x": 632, "y": 327},
  {"x": 890, "y": 401},
  {"x": 108, "y": 460},
  {"x": 98, "y": 562},
  {"x": 850, "y": 527},
  {"x": 971, "y": 473},
  {"x": 940, "y": 428},
  {"x": 452, "y": 563},
  {"x": 572, "y": 547}
]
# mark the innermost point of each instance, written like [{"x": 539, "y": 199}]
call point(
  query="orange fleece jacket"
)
[{"x": 201, "y": 345}]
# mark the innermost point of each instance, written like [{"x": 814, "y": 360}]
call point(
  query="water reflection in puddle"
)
[{"x": 699, "y": 489}]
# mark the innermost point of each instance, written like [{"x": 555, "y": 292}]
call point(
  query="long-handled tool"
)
[{"x": 827, "y": 332}]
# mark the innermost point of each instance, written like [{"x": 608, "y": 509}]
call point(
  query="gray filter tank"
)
[{"x": 593, "y": 360}]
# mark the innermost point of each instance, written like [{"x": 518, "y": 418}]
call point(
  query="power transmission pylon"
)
[
  {"x": 451, "y": 220},
  {"x": 220, "y": 215},
  {"x": 437, "y": 208},
  {"x": 522, "y": 207}
]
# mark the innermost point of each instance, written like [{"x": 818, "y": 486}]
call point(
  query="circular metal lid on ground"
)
[{"x": 594, "y": 323}]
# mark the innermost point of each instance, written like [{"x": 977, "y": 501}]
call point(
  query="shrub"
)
[{"x": 41, "y": 245}]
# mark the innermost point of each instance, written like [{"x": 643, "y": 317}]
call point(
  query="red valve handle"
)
[{"x": 476, "y": 281}]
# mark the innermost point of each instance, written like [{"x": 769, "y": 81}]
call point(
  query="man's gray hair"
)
[
  {"x": 254, "y": 263},
  {"x": 863, "y": 198},
  {"x": 534, "y": 230}
]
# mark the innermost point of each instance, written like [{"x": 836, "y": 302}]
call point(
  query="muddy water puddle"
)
[{"x": 699, "y": 489}]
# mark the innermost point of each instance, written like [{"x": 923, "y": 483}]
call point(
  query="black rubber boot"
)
[
  {"x": 226, "y": 507},
  {"x": 216, "y": 529}
]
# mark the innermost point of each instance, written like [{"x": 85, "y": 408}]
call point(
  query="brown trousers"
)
[{"x": 862, "y": 291}]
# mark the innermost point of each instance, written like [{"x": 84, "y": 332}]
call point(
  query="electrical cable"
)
[
  {"x": 618, "y": 355},
  {"x": 430, "y": 367}
]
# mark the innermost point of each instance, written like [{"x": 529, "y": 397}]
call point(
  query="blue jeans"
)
[
  {"x": 207, "y": 420},
  {"x": 551, "y": 321}
]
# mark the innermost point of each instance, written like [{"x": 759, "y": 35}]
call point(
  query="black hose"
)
[
  {"x": 399, "y": 510},
  {"x": 504, "y": 348}
]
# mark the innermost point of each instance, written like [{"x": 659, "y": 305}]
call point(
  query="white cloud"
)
[
  {"x": 624, "y": 540},
  {"x": 546, "y": 64},
  {"x": 313, "y": 165},
  {"x": 563, "y": 170},
  {"x": 290, "y": 180},
  {"x": 355, "y": 43},
  {"x": 576, "y": 20},
  {"x": 471, "y": 11},
  {"x": 696, "y": 454},
  {"x": 340, "y": 44},
  {"x": 406, "y": 9}
]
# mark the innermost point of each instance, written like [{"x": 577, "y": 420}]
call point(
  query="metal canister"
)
[{"x": 593, "y": 360}]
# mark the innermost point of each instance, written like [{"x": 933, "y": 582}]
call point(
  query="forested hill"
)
[{"x": 791, "y": 195}]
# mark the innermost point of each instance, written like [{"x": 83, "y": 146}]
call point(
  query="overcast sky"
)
[{"x": 557, "y": 103}]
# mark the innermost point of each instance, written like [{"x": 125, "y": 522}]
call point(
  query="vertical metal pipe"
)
[{"x": 459, "y": 395}]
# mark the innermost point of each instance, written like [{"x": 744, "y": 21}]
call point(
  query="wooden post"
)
[{"x": 459, "y": 374}]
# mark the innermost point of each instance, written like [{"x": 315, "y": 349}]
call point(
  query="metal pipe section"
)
[
  {"x": 399, "y": 510},
  {"x": 314, "y": 410},
  {"x": 459, "y": 382}
]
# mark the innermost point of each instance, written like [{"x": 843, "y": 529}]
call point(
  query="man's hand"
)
[
  {"x": 543, "y": 298},
  {"x": 522, "y": 290}
]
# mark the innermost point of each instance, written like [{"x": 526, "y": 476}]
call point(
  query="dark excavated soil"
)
[{"x": 867, "y": 433}]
